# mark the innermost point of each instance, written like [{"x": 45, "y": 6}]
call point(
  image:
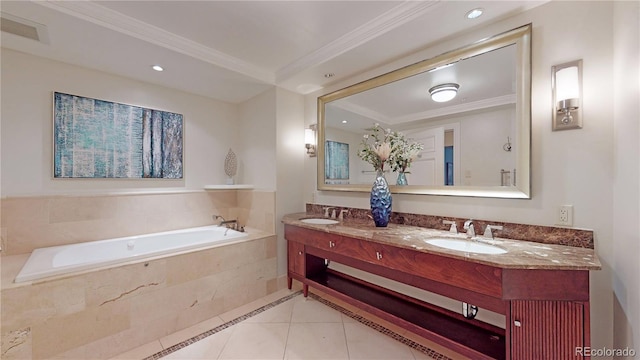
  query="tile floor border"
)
[
  {"x": 377, "y": 327},
  {"x": 183, "y": 344}
]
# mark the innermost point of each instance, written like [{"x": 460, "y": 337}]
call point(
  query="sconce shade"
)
[
  {"x": 309, "y": 137},
  {"x": 310, "y": 140},
  {"x": 567, "y": 84},
  {"x": 444, "y": 92},
  {"x": 567, "y": 95}
]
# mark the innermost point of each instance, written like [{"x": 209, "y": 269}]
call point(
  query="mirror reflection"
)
[{"x": 475, "y": 143}]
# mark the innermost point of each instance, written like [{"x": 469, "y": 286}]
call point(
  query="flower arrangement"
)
[
  {"x": 376, "y": 147},
  {"x": 383, "y": 145},
  {"x": 404, "y": 152}
]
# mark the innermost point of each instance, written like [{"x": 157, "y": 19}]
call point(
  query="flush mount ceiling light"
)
[
  {"x": 475, "y": 13},
  {"x": 157, "y": 68},
  {"x": 444, "y": 92}
]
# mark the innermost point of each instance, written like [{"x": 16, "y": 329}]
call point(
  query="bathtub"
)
[{"x": 58, "y": 260}]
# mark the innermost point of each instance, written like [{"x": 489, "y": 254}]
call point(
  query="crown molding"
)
[
  {"x": 124, "y": 24},
  {"x": 456, "y": 109},
  {"x": 362, "y": 111},
  {"x": 399, "y": 15},
  {"x": 429, "y": 114}
]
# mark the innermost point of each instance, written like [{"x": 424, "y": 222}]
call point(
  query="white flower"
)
[
  {"x": 383, "y": 151},
  {"x": 413, "y": 153},
  {"x": 366, "y": 136}
]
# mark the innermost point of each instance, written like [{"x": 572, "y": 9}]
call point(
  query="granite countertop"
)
[{"x": 520, "y": 254}]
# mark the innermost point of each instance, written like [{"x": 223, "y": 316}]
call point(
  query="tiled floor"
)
[{"x": 285, "y": 325}]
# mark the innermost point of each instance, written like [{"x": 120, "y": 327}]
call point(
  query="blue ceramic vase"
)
[{"x": 380, "y": 201}]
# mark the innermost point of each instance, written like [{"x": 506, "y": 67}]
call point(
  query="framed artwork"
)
[
  {"x": 102, "y": 139},
  {"x": 336, "y": 165}
]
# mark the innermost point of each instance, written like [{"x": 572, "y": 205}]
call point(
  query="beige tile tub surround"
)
[
  {"x": 99, "y": 313},
  {"x": 28, "y": 223},
  {"x": 102, "y": 313}
]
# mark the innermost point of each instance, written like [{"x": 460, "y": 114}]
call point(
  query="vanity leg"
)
[
  {"x": 289, "y": 282},
  {"x": 305, "y": 290}
]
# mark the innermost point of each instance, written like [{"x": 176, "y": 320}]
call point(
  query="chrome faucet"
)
[
  {"x": 228, "y": 222},
  {"x": 342, "y": 213},
  {"x": 468, "y": 225},
  {"x": 224, "y": 222},
  {"x": 218, "y": 217},
  {"x": 453, "y": 228},
  {"x": 326, "y": 211},
  {"x": 487, "y": 231}
]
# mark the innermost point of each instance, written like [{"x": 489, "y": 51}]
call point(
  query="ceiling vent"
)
[{"x": 24, "y": 28}]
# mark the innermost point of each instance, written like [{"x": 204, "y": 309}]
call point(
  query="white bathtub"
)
[{"x": 57, "y": 260}]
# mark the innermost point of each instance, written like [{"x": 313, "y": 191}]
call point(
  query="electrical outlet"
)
[{"x": 565, "y": 215}]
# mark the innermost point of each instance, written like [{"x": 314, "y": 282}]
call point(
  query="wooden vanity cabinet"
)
[
  {"x": 548, "y": 329},
  {"x": 298, "y": 266},
  {"x": 546, "y": 311}
]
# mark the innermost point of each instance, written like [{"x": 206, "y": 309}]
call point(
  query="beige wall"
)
[
  {"x": 40, "y": 221},
  {"x": 28, "y": 83},
  {"x": 290, "y": 155},
  {"x": 257, "y": 133},
  {"x": 626, "y": 175},
  {"x": 570, "y": 167}
]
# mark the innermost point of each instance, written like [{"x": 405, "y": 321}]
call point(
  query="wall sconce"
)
[
  {"x": 310, "y": 140},
  {"x": 566, "y": 88}
]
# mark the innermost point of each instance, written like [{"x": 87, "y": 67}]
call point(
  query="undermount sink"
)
[
  {"x": 319, "y": 221},
  {"x": 466, "y": 246}
]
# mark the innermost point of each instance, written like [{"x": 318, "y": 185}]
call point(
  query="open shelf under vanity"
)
[
  {"x": 546, "y": 310},
  {"x": 431, "y": 322}
]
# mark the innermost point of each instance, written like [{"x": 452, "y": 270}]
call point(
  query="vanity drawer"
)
[
  {"x": 316, "y": 239},
  {"x": 471, "y": 276}
]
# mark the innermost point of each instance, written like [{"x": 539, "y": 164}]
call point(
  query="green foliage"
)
[{"x": 380, "y": 146}]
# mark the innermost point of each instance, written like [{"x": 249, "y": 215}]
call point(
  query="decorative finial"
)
[{"x": 230, "y": 166}]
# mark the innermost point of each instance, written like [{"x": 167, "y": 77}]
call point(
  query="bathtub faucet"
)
[
  {"x": 218, "y": 217},
  {"x": 230, "y": 224}
]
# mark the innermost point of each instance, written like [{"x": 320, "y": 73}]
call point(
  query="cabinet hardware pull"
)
[
  {"x": 378, "y": 255},
  {"x": 517, "y": 323},
  {"x": 299, "y": 252},
  {"x": 332, "y": 244}
]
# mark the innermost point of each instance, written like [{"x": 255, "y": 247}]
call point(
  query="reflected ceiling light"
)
[
  {"x": 157, "y": 68},
  {"x": 344, "y": 121},
  {"x": 475, "y": 13},
  {"x": 444, "y": 92}
]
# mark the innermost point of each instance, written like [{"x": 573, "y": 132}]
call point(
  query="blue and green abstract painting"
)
[
  {"x": 336, "y": 165},
  {"x": 102, "y": 139}
]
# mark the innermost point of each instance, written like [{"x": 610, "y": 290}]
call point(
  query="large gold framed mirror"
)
[{"x": 477, "y": 144}]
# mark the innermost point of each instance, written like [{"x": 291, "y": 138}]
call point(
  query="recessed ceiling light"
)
[
  {"x": 157, "y": 68},
  {"x": 475, "y": 13},
  {"x": 344, "y": 121},
  {"x": 329, "y": 75}
]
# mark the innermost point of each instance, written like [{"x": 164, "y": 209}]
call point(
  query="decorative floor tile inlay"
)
[{"x": 379, "y": 328}]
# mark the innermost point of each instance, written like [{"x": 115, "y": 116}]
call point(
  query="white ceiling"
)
[{"x": 234, "y": 50}]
